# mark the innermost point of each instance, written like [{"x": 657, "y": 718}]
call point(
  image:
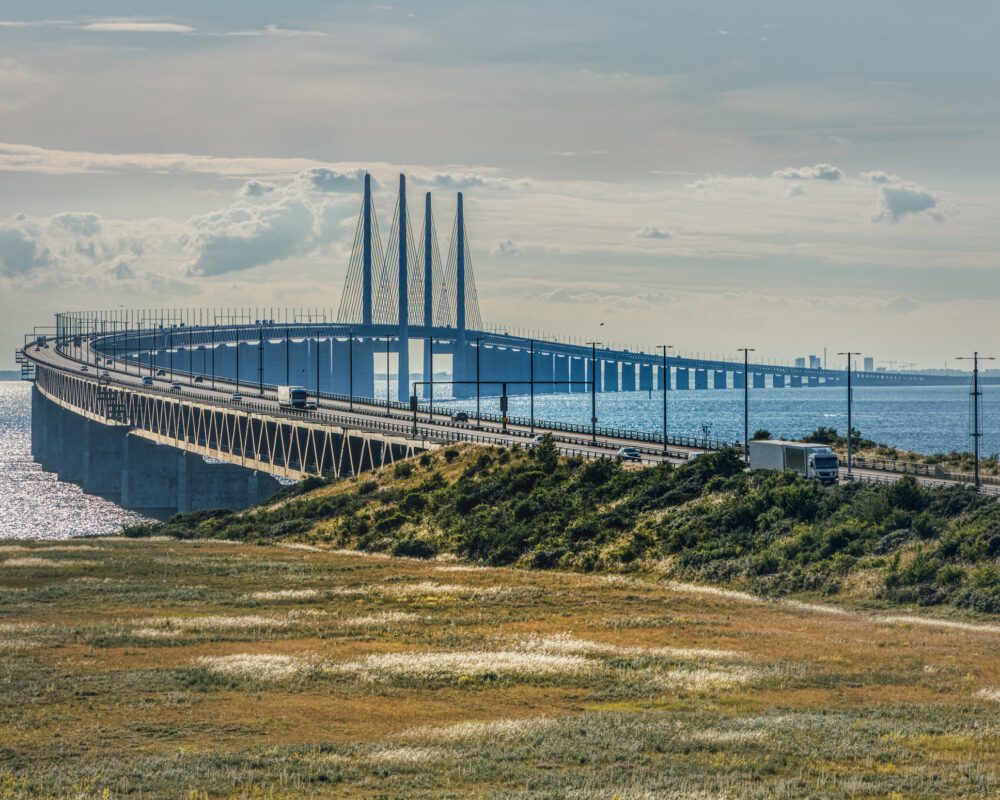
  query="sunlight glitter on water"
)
[{"x": 36, "y": 504}]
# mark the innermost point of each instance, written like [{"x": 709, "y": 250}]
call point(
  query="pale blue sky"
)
[{"x": 711, "y": 173}]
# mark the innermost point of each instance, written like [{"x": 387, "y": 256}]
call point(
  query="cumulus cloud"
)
[
  {"x": 460, "y": 180},
  {"x": 796, "y": 191},
  {"x": 505, "y": 248},
  {"x": 82, "y": 223},
  {"x": 121, "y": 271},
  {"x": 276, "y": 30},
  {"x": 818, "y": 172},
  {"x": 323, "y": 179},
  {"x": 880, "y": 177},
  {"x": 900, "y": 200},
  {"x": 243, "y": 236},
  {"x": 255, "y": 188},
  {"x": 21, "y": 251},
  {"x": 651, "y": 232}
]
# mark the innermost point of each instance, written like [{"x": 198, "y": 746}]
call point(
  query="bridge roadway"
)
[{"x": 429, "y": 431}]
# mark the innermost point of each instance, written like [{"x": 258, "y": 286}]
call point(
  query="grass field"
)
[{"x": 200, "y": 669}]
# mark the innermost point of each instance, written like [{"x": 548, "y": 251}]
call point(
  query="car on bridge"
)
[
  {"x": 104, "y": 379},
  {"x": 236, "y": 397},
  {"x": 628, "y": 453},
  {"x": 147, "y": 381},
  {"x": 84, "y": 368},
  {"x": 198, "y": 379},
  {"x": 175, "y": 386},
  {"x": 161, "y": 372},
  {"x": 460, "y": 416}
]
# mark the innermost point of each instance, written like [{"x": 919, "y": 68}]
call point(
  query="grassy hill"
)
[{"x": 708, "y": 521}]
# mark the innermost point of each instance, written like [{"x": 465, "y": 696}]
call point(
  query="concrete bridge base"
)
[{"x": 156, "y": 480}]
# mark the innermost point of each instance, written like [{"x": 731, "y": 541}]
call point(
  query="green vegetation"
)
[{"x": 707, "y": 520}]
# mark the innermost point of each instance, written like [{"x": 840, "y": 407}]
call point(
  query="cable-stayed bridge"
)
[{"x": 131, "y": 402}]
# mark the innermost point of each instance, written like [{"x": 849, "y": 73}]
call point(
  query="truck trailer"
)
[
  {"x": 292, "y": 397},
  {"x": 809, "y": 460}
]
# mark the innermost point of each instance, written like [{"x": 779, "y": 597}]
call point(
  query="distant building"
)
[
  {"x": 800, "y": 362},
  {"x": 869, "y": 364},
  {"x": 815, "y": 362}
]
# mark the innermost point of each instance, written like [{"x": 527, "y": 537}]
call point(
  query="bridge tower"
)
[
  {"x": 403, "y": 379},
  {"x": 366, "y": 254},
  {"x": 428, "y": 291}
]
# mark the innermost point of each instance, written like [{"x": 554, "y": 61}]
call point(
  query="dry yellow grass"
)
[{"x": 403, "y": 678}]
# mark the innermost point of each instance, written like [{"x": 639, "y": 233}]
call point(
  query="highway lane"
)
[{"x": 371, "y": 415}]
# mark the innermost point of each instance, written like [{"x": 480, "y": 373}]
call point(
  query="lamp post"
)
[
  {"x": 746, "y": 399},
  {"x": 260, "y": 360},
  {"x": 850, "y": 398},
  {"x": 663, "y": 381},
  {"x": 976, "y": 394},
  {"x": 237, "y": 358},
  {"x": 388, "y": 393},
  {"x": 479, "y": 417},
  {"x": 350, "y": 368},
  {"x": 531, "y": 385},
  {"x": 288, "y": 358},
  {"x": 317, "y": 368},
  {"x": 593, "y": 392}
]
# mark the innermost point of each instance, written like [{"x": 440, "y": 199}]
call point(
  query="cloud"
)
[
  {"x": 121, "y": 271},
  {"x": 796, "y": 191},
  {"x": 323, "y": 179},
  {"x": 897, "y": 201},
  {"x": 20, "y": 251},
  {"x": 275, "y": 30},
  {"x": 818, "y": 172},
  {"x": 505, "y": 248},
  {"x": 82, "y": 223},
  {"x": 461, "y": 180},
  {"x": 137, "y": 26},
  {"x": 243, "y": 236},
  {"x": 256, "y": 188},
  {"x": 651, "y": 232},
  {"x": 880, "y": 177}
]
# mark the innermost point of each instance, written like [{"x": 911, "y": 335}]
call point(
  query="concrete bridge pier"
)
[
  {"x": 463, "y": 368},
  {"x": 719, "y": 380},
  {"x": 544, "y": 372},
  {"x": 202, "y": 485},
  {"x": 628, "y": 377},
  {"x": 73, "y": 431},
  {"x": 683, "y": 376},
  {"x": 813, "y": 380},
  {"x": 149, "y": 477},
  {"x": 795, "y": 381},
  {"x": 759, "y": 380},
  {"x": 560, "y": 373},
  {"x": 701, "y": 379},
  {"x": 102, "y": 454},
  {"x": 778, "y": 381},
  {"x": 738, "y": 380},
  {"x": 645, "y": 377},
  {"x": 578, "y": 375},
  {"x": 610, "y": 382}
]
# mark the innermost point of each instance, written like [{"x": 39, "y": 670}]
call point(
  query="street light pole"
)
[
  {"x": 850, "y": 398},
  {"x": 388, "y": 393},
  {"x": 531, "y": 385},
  {"x": 976, "y": 394},
  {"x": 746, "y": 399},
  {"x": 593, "y": 392},
  {"x": 479, "y": 416},
  {"x": 350, "y": 367},
  {"x": 663, "y": 380}
]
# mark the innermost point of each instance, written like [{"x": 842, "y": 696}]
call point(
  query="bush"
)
[{"x": 414, "y": 548}]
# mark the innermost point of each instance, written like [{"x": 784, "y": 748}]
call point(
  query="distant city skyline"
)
[{"x": 767, "y": 175}]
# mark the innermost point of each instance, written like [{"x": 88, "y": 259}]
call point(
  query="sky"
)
[{"x": 714, "y": 174}]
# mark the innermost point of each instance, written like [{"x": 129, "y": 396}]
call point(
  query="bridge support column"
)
[
  {"x": 795, "y": 381},
  {"x": 759, "y": 380},
  {"x": 201, "y": 485},
  {"x": 778, "y": 381},
  {"x": 701, "y": 379},
  {"x": 560, "y": 372},
  {"x": 610, "y": 383},
  {"x": 738, "y": 381},
  {"x": 41, "y": 420},
  {"x": 149, "y": 477},
  {"x": 70, "y": 466},
  {"x": 102, "y": 460},
  {"x": 719, "y": 379},
  {"x": 544, "y": 373},
  {"x": 813, "y": 380},
  {"x": 683, "y": 375},
  {"x": 645, "y": 377},
  {"x": 463, "y": 368},
  {"x": 578, "y": 375},
  {"x": 628, "y": 377}
]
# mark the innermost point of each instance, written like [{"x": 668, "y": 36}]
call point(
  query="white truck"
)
[
  {"x": 809, "y": 460},
  {"x": 292, "y": 397}
]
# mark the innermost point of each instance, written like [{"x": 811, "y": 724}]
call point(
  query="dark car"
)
[
  {"x": 460, "y": 416},
  {"x": 628, "y": 454}
]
